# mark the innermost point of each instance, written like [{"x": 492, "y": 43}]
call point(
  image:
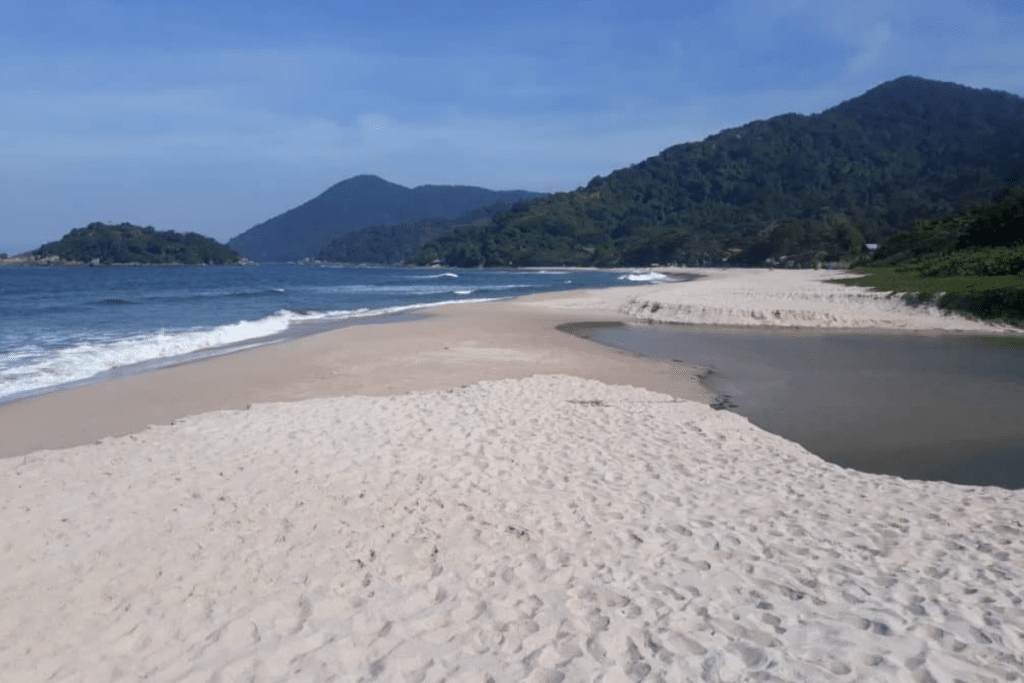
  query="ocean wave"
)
[
  {"x": 431, "y": 277},
  {"x": 114, "y": 302},
  {"x": 273, "y": 291},
  {"x": 502, "y": 287},
  {"x": 644, "y": 276},
  {"x": 87, "y": 359},
  {"x": 413, "y": 290},
  {"x": 206, "y": 295},
  {"x": 221, "y": 294},
  {"x": 189, "y": 296},
  {"x": 90, "y": 358},
  {"x": 31, "y": 368}
]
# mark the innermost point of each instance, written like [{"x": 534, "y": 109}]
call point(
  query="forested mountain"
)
[
  {"x": 358, "y": 203},
  {"x": 127, "y": 243},
  {"x": 392, "y": 244},
  {"x": 792, "y": 190},
  {"x": 988, "y": 230}
]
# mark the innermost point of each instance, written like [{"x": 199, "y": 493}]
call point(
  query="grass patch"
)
[
  {"x": 998, "y": 298},
  {"x": 909, "y": 279}
]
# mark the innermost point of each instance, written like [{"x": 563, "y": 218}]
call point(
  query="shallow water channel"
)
[{"x": 939, "y": 407}]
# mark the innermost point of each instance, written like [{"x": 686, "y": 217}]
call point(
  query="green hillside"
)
[
  {"x": 355, "y": 204},
  {"x": 127, "y": 243},
  {"x": 791, "y": 190},
  {"x": 393, "y": 244}
]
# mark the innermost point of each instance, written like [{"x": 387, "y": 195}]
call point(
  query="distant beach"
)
[{"x": 476, "y": 495}]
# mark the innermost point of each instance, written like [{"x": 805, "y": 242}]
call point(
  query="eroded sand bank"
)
[
  {"x": 776, "y": 298},
  {"x": 528, "y": 527}
]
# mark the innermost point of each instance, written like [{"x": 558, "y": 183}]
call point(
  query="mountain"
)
[
  {"x": 793, "y": 189},
  {"x": 127, "y": 243},
  {"x": 357, "y": 203},
  {"x": 392, "y": 244}
]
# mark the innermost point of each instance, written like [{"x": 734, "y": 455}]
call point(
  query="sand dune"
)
[{"x": 550, "y": 528}]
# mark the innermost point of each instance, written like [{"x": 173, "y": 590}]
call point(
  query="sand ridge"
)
[
  {"x": 774, "y": 298},
  {"x": 543, "y": 529}
]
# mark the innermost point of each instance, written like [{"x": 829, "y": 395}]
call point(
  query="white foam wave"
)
[
  {"x": 87, "y": 359},
  {"x": 36, "y": 369},
  {"x": 431, "y": 277},
  {"x": 412, "y": 307},
  {"x": 644, "y": 276}
]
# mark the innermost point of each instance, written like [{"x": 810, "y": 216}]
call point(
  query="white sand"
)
[
  {"x": 778, "y": 298},
  {"x": 541, "y": 529}
]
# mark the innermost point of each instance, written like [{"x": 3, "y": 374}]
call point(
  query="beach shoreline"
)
[
  {"x": 311, "y": 365},
  {"x": 447, "y": 347},
  {"x": 478, "y": 495}
]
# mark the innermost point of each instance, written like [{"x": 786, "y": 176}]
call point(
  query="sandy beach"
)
[
  {"x": 775, "y": 298},
  {"x": 477, "y": 496}
]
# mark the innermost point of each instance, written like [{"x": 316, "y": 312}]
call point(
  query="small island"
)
[{"x": 125, "y": 244}]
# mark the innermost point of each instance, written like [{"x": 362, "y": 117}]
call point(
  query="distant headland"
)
[{"x": 100, "y": 244}]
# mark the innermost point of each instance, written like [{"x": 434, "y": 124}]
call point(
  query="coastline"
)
[
  {"x": 91, "y": 336},
  {"x": 478, "y": 495},
  {"x": 295, "y": 331},
  {"x": 450, "y": 346}
]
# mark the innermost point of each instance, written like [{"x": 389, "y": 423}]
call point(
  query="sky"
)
[{"x": 215, "y": 115}]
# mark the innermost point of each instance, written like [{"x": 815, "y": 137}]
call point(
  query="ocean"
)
[{"x": 64, "y": 325}]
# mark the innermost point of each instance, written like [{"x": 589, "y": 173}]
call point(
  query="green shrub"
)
[
  {"x": 984, "y": 262},
  {"x": 1006, "y": 303}
]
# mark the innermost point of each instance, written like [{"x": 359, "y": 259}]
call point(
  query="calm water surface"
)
[{"x": 947, "y": 407}]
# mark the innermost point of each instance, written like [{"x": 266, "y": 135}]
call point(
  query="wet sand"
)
[{"x": 447, "y": 348}]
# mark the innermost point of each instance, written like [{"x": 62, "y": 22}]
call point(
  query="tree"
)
[
  {"x": 127, "y": 243},
  {"x": 814, "y": 185}
]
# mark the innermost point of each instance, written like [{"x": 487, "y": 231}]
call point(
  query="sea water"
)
[{"x": 62, "y": 325}]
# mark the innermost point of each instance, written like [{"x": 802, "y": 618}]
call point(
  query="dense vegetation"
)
[
  {"x": 391, "y": 244},
  {"x": 127, "y": 243},
  {"x": 355, "y": 204},
  {"x": 971, "y": 263},
  {"x": 793, "y": 190}
]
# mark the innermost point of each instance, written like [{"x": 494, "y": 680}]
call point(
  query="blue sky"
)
[{"x": 214, "y": 115}]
